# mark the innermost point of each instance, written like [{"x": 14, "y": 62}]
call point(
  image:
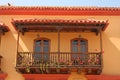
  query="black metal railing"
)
[{"x": 62, "y": 59}]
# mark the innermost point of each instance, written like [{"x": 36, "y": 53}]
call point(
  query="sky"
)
[{"x": 99, "y": 3}]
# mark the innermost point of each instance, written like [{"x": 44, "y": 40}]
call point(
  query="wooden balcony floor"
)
[{"x": 62, "y": 70}]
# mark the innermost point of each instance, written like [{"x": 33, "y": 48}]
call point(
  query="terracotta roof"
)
[
  {"x": 62, "y": 22},
  {"x": 57, "y": 8},
  {"x": 3, "y": 27},
  {"x": 59, "y": 21},
  {"x": 38, "y": 10}
]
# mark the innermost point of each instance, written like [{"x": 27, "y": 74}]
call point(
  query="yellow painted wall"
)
[
  {"x": 65, "y": 40},
  {"x": 111, "y": 43}
]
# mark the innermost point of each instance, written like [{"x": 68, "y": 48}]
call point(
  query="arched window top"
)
[
  {"x": 80, "y": 39},
  {"x": 42, "y": 38}
]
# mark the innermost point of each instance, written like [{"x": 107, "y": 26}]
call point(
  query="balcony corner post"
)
[
  {"x": 101, "y": 48},
  {"x": 17, "y": 46},
  {"x": 58, "y": 28},
  {"x": 18, "y": 41}
]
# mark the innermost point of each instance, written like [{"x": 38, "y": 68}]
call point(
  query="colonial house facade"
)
[{"x": 53, "y": 43}]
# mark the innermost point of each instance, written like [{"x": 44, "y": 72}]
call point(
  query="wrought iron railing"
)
[{"x": 62, "y": 59}]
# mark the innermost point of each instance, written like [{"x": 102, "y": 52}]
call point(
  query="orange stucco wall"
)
[{"x": 111, "y": 43}]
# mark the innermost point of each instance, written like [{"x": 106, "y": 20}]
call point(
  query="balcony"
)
[{"x": 58, "y": 63}]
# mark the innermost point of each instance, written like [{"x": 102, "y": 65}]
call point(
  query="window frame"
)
[
  {"x": 42, "y": 44},
  {"x": 78, "y": 39}
]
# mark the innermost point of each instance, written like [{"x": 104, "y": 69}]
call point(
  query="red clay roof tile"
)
[
  {"x": 38, "y": 10},
  {"x": 57, "y": 8},
  {"x": 4, "y": 27},
  {"x": 88, "y": 21}
]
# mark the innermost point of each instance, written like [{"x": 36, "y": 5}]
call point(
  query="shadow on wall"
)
[
  {"x": 8, "y": 51},
  {"x": 111, "y": 56}
]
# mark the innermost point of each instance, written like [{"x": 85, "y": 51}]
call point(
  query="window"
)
[
  {"x": 79, "y": 45},
  {"x": 41, "y": 49},
  {"x": 41, "y": 45}
]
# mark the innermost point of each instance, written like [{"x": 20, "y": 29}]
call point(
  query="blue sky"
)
[{"x": 103, "y": 3}]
